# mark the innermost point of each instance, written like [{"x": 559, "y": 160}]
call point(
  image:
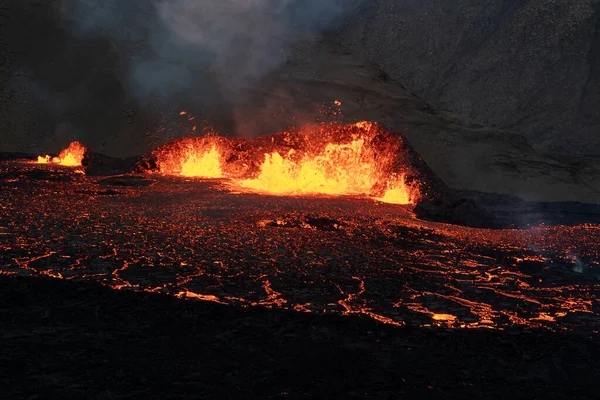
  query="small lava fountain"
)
[{"x": 72, "y": 156}]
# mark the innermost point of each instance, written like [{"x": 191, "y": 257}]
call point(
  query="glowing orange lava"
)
[
  {"x": 207, "y": 165},
  {"x": 72, "y": 156},
  {"x": 43, "y": 159},
  {"x": 196, "y": 157},
  {"x": 339, "y": 169},
  {"x": 398, "y": 192},
  {"x": 331, "y": 159}
]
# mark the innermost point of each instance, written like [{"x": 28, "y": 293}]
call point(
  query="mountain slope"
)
[
  {"x": 465, "y": 155},
  {"x": 532, "y": 66}
]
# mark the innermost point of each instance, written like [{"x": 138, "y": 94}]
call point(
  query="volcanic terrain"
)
[
  {"x": 331, "y": 235},
  {"x": 432, "y": 309},
  {"x": 215, "y": 240}
]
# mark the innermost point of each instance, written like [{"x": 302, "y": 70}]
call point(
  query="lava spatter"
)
[
  {"x": 192, "y": 157},
  {"x": 72, "y": 156},
  {"x": 327, "y": 159}
]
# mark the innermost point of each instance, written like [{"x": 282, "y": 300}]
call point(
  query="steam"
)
[{"x": 172, "y": 45}]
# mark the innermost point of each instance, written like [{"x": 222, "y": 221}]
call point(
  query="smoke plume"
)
[
  {"x": 170, "y": 45},
  {"x": 114, "y": 74}
]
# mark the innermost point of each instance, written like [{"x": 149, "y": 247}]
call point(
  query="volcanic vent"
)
[
  {"x": 72, "y": 156},
  {"x": 326, "y": 159}
]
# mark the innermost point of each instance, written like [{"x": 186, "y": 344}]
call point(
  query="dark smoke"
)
[
  {"x": 101, "y": 70},
  {"x": 171, "y": 44}
]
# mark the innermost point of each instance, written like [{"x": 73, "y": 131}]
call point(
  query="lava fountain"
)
[
  {"x": 72, "y": 156},
  {"x": 326, "y": 159},
  {"x": 338, "y": 169},
  {"x": 191, "y": 157}
]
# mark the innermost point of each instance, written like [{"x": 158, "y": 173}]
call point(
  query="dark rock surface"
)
[
  {"x": 528, "y": 66},
  {"x": 485, "y": 210},
  {"x": 4, "y": 156},
  {"x": 80, "y": 340}
]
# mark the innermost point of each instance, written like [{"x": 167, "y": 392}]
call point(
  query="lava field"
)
[{"x": 347, "y": 255}]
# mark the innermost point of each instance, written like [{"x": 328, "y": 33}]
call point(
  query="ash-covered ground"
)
[{"x": 514, "y": 308}]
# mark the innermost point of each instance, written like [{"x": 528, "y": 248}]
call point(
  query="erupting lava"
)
[
  {"x": 308, "y": 254},
  {"x": 192, "y": 157},
  {"x": 398, "y": 192},
  {"x": 72, "y": 156},
  {"x": 208, "y": 165},
  {"x": 340, "y": 169},
  {"x": 332, "y": 159}
]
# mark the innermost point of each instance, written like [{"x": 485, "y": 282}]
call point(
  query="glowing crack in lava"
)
[
  {"x": 72, "y": 156},
  {"x": 329, "y": 159}
]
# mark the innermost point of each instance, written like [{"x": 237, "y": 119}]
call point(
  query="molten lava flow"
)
[
  {"x": 340, "y": 169},
  {"x": 191, "y": 157},
  {"x": 72, "y": 156},
  {"x": 332, "y": 159},
  {"x": 206, "y": 165}
]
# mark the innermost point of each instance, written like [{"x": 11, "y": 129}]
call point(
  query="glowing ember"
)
[{"x": 72, "y": 156}]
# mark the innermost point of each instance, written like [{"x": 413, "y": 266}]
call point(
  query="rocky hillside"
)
[{"x": 531, "y": 66}]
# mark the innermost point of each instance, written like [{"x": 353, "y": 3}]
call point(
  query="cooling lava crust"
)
[
  {"x": 393, "y": 303},
  {"x": 209, "y": 239}
]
